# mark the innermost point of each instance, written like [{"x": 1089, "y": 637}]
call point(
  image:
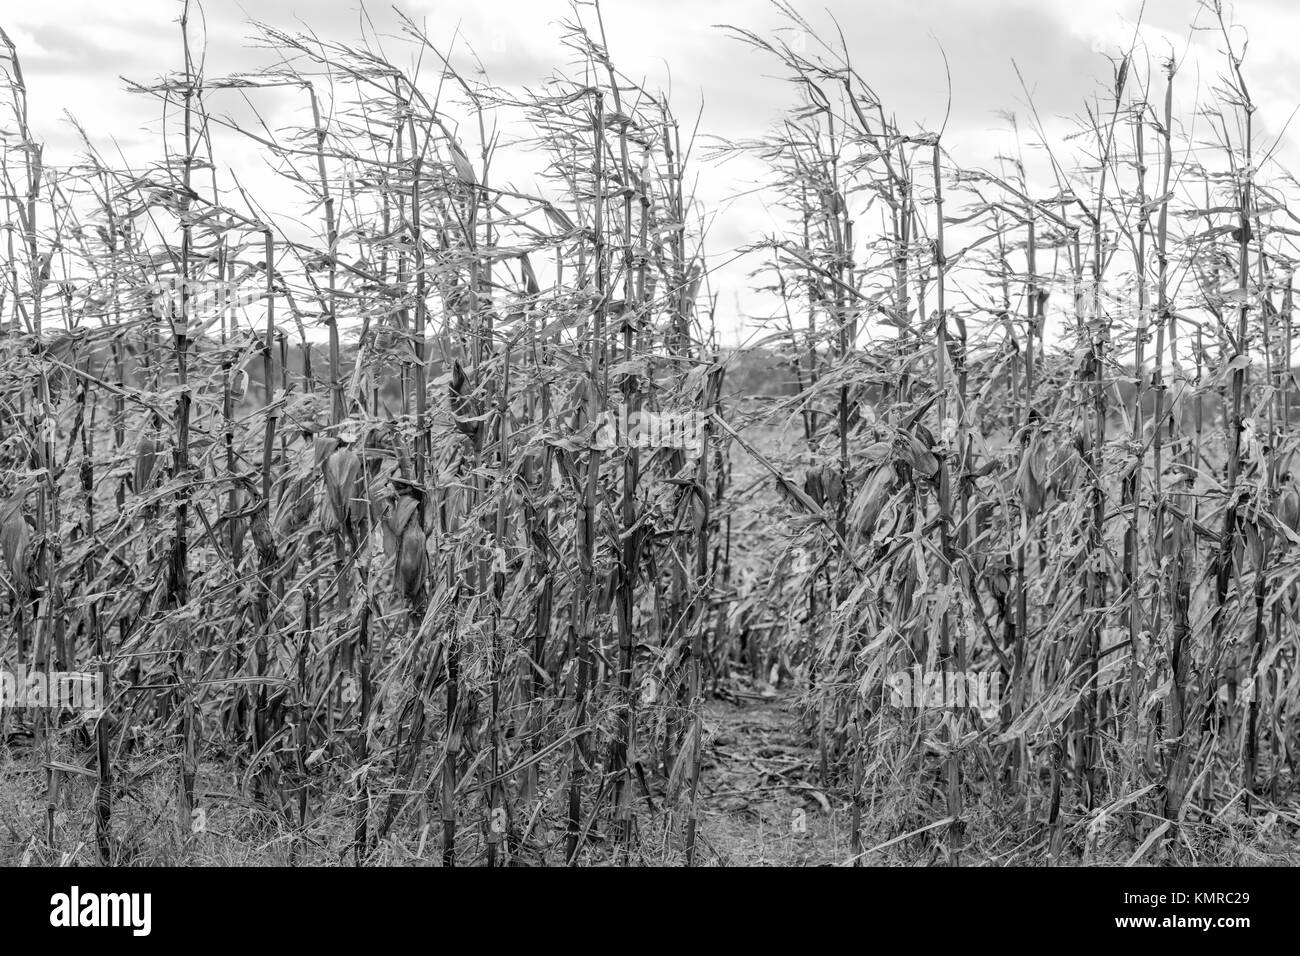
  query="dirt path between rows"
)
[{"x": 761, "y": 801}]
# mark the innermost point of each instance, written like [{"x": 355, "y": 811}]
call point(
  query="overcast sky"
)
[{"x": 74, "y": 52}]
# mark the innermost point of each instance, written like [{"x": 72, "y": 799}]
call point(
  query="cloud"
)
[{"x": 75, "y": 50}]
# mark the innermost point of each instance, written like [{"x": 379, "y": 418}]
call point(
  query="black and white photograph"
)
[{"x": 851, "y": 435}]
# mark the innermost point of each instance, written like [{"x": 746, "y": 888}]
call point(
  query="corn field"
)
[{"x": 425, "y": 521}]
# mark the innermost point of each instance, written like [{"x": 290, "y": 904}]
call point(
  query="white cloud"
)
[{"x": 75, "y": 50}]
